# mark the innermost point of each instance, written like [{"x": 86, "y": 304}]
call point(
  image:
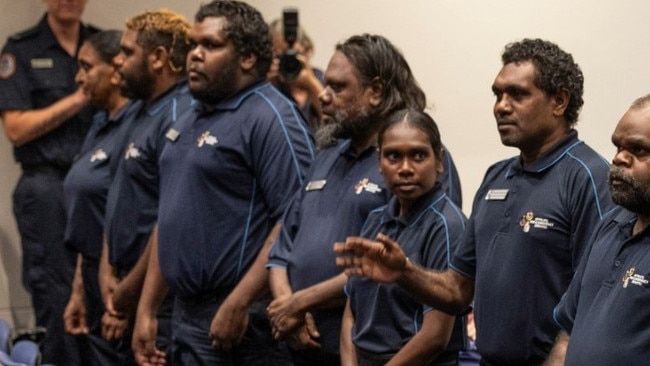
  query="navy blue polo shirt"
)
[
  {"x": 132, "y": 206},
  {"x": 605, "y": 310},
  {"x": 386, "y": 317},
  {"x": 528, "y": 229},
  {"x": 225, "y": 180},
  {"x": 36, "y": 72},
  {"x": 86, "y": 185},
  {"x": 342, "y": 187}
]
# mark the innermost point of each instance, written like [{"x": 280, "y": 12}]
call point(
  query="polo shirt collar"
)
[
  {"x": 119, "y": 116},
  {"x": 346, "y": 150},
  {"x": 625, "y": 220},
  {"x": 550, "y": 157},
  {"x": 160, "y": 103},
  {"x": 233, "y": 102},
  {"x": 391, "y": 213}
]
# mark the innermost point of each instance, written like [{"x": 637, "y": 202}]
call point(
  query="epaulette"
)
[
  {"x": 28, "y": 33},
  {"x": 92, "y": 28}
]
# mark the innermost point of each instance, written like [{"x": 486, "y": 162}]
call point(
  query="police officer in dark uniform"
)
[{"x": 46, "y": 118}]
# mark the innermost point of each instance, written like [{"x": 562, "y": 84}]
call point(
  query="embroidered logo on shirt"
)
[
  {"x": 632, "y": 278},
  {"x": 206, "y": 138},
  {"x": 132, "y": 152},
  {"x": 366, "y": 185},
  {"x": 99, "y": 155},
  {"x": 7, "y": 65},
  {"x": 529, "y": 220}
]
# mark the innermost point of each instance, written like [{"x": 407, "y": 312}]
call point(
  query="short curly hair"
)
[
  {"x": 163, "y": 28},
  {"x": 246, "y": 29},
  {"x": 555, "y": 71}
]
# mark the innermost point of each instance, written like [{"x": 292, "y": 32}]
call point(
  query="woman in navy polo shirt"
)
[
  {"x": 85, "y": 189},
  {"x": 383, "y": 324}
]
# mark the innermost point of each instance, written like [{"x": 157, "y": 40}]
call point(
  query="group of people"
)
[{"x": 182, "y": 202}]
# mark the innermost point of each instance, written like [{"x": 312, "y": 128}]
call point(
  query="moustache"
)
[{"x": 616, "y": 173}]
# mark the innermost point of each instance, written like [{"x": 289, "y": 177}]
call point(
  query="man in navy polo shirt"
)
[
  {"x": 366, "y": 80},
  {"x": 152, "y": 69},
  {"x": 46, "y": 117},
  {"x": 227, "y": 173},
  {"x": 531, "y": 218},
  {"x": 605, "y": 308}
]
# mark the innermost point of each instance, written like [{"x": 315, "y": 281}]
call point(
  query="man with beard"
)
[
  {"x": 531, "y": 219},
  {"x": 235, "y": 161},
  {"x": 605, "y": 309},
  {"x": 367, "y": 79},
  {"x": 46, "y": 116},
  {"x": 151, "y": 64}
]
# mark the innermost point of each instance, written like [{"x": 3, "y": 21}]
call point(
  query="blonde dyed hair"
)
[{"x": 163, "y": 28}]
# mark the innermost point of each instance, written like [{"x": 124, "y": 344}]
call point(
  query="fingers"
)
[
  {"x": 310, "y": 326},
  {"x": 228, "y": 327},
  {"x": 149, "y": 357},
  {"x": 301, "y": 339},
  {"x": 75, "y": 326},
  {"x": 226, "y": 343},
  {"x": 113, "y": 327},
  {"x": 388, "y": 243}
]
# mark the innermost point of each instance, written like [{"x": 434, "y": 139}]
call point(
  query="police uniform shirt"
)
[
  {"x": 132, "y": 206},
  {"x": 225, "y": 181},
  {"x": 36, "y": 72},
  {"x": 86, "y": 184},
  {"x": 386, "y": 317},
  {"x": 528, "y": 230},
  {"x": 341, "y": 188},
  {"x": 605, "y": 309}
]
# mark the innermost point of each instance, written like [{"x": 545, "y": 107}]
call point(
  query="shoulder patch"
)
[{"x": 7, "y": 65}]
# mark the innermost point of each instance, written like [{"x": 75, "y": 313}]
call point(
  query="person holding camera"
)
[{"x": 291, "y": 71}]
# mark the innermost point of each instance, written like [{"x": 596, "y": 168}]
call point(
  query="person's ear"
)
[
  {"x": 376, "y": 90},
  {"x": 247, "y": 62},
  {"x": 560, "y": 102},
  {"x": 158, "y": 58},
  {"x": 440, "y": 167}
]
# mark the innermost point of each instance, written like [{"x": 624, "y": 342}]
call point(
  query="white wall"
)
[
  {"x": 14, "y": 301},
  {"x": 454, "y": 49}
]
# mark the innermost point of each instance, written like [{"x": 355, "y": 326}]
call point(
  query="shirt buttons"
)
[{"x": 617, "y": 263}]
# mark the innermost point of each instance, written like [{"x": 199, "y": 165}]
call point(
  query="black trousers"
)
[{"x": 48, "y": 267}]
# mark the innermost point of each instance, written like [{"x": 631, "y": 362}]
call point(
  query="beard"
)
[
  {"x": 138, "y": 85},
  {"x": 629, "y": 192},
  {"x": 221, "y": 87},
  {"x": 326, "y": 135},
  {"x": 342, "y": 127}
]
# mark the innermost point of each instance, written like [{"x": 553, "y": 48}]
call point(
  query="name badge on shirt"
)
[
  {"x": 316, "y": 185},
  {"x": 172, "y": 134},
  {"x": 497, "y": 195},
  {"x": 42, "y": 63}
]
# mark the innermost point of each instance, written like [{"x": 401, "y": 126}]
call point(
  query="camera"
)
[{"x": 290, "y": 66}]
